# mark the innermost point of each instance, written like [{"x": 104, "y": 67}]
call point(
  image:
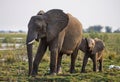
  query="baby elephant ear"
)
[
  {"x": 84, "y": 45},
  {"x": 99, "y": 45},
  {"x": 56, "y": 20}
]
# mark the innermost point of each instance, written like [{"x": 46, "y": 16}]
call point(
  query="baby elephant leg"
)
[
  {"x": 85, "y": 60},
  {"x": 101, "y": 64},
  {"x": 94, "y": 59}
]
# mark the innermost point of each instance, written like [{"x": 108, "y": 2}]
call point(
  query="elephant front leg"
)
[
  {"x": 54, "y": 48},
  {"x": 39, "y": 55},
  {"x": 53, "y": 61},
  {"x": 94, "y": 59},
  {"x": 85, "y": 60},
  {"x": 59, "y": 59}
]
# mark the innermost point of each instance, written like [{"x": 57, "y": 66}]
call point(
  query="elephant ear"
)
[
  {"x": 99, "y": 45},
  {"x": 84, "y": 45},
  {"x": 56, "y": 20}
]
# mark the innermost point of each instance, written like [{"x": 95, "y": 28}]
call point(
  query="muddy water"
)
[{"x": 9, "y": 46}]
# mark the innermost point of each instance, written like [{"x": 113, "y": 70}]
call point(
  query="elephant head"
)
[
  {"x": 36, "y": 29},
  {"x": 91, "y": 43},
  {"x": 99, "y": 46},
  {"x": 48, "y": 25},
  {"x": 87, "y": 44}
]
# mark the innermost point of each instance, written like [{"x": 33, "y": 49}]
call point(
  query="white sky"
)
[{"x": 15, "y": 14}]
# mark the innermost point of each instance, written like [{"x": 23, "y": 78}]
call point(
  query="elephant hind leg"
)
[
  {"x": 101, "y": 64},
  {"x": 73, "y": 59}
]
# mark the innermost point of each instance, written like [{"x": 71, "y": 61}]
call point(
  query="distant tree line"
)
[
  {"x": 20, "y": 31},
  {"x": 98, "y": 28},
  {"x": 117, "y": 30},
  {"x": 95, "y": 28}
]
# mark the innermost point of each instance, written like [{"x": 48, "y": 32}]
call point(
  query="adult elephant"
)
[
  {"x": 59, "y": 31},
  {"x": 93, "y": 48}
]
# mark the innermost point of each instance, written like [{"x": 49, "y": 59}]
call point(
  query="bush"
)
[
  {"x": 8, "y": 39},
  {"x": 10, "y": 59},
  {"x": 103, "y": 36},
  {"x": 94, "y": 35}
]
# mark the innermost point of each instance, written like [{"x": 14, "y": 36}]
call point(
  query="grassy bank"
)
[{"x": 14, "y": 66}]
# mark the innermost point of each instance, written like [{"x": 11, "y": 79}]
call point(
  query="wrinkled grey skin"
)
[
  {"x": 93, "y": 48},
  {"x": 71, "y": 40},
  {"x": 41, "y": 12},
  {"x": 56, "y": 31}
]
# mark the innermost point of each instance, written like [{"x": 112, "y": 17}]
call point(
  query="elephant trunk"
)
[
  {"x": 30, "y": 58},
  {"x": 29, "y": 42}
]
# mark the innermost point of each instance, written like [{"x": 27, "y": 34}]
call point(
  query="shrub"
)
[
  {"x": 94, "y": 35},
  {"x": 8, "y": 39},
  {"x": 10, "y": 57},
  {"x": 110, "y": 55}
]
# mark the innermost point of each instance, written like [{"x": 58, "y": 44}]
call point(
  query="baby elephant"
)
[{"x": 93, "y": 48}]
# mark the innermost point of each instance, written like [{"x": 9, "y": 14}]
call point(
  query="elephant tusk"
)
[{"x": 31, "y": 42}]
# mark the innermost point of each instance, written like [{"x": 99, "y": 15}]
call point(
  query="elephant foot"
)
[
  {"x": 59, "y": 70},
  {"x": 29, "y": 74},
  {"x": 100, "y": 70},
  {"x": 33, "y": 74},
  {"x": 72, "y": 71},
  {"x": 96, "y": 70},
  {"x": 53, "y": 74},
  {"x": 83, "y": 72}
]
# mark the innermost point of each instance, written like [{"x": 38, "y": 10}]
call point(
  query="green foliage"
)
[
  {"x": 117, "y": 30},
  {"x": 10, "y": 59},
  {"x": 108, "y": 29},
  {"x": 7, "y": 39},
  {"x": 102, "y": 36},
  {"x": 94, "y": 35},
  {"x": 10, "y": 38}
]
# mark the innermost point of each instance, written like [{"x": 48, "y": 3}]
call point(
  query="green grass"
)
[{"x": 15, "y": 68}]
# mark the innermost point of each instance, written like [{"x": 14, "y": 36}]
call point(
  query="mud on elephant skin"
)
[
  {"x": 60, "y": 32},
  {"x": 93, "y": 48}
]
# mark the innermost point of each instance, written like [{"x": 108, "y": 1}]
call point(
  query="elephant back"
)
[{"x": 73, "y": 34}]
